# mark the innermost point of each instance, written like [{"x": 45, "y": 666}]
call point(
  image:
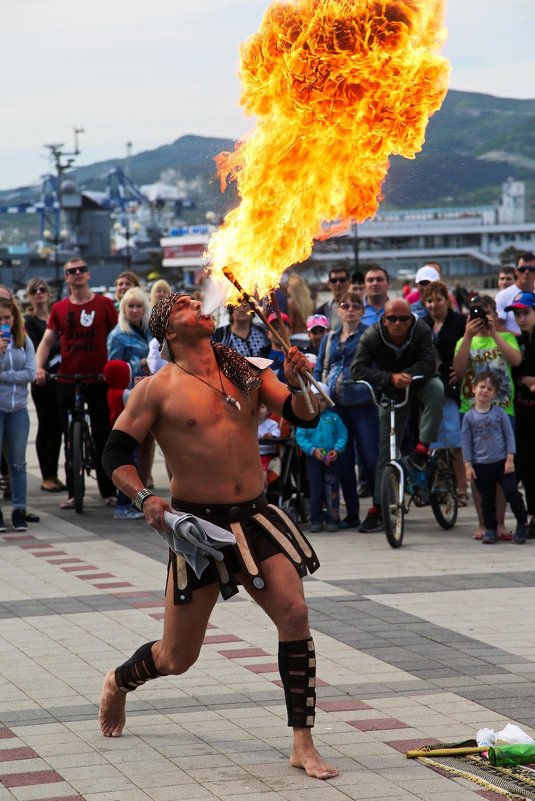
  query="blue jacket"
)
[
  {"x": 17, "y": 370},
  {"x": 130, "y": 347},
  {"x": 335, "y": 357},
  {"x": 330, "y": 434}
]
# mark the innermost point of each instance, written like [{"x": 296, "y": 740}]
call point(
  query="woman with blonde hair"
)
[
  {"x": 159, "y": 290},
  {"x": 130, "y": 338},
  {"x": 129, "y": 342},
  {"x": 49, "y": 428},
  {"x": 17, "y": 371},
  {"x": 300, "y": 303}
]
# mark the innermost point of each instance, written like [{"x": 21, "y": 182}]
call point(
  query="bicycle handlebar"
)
[
  {"x": 388, "y": 403},
  {"x": 75, "y": 378}
]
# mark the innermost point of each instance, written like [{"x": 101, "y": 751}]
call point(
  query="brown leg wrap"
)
[
  {"x": 297, "y": 667},
  {"x": 137, "y": 670}
]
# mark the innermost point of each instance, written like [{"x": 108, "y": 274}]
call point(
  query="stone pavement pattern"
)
[{"x": 426, "y": 643}]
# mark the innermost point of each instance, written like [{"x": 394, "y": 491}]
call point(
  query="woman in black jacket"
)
[
  {"x": 49, "y": 429},
  {"x": 523, "y": 307},
  {"x": 447, "y": 327}
]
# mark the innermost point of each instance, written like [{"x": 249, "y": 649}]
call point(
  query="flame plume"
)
[{"x": 337, "y": 87}]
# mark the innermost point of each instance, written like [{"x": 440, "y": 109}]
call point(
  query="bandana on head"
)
[
  {"x": 237, "y": 369},
  {"x": 160, "y": 314}
]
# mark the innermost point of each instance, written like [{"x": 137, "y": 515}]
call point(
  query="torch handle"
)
[
  {"x": 283, "y": 344},
  {"x": 258, "y": 311},
  {"x": 300, "y": 379}
]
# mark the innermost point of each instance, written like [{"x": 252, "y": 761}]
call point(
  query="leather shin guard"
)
[
  {"x": 137, "y": 670},
  {"x": 297, "y": 667}
]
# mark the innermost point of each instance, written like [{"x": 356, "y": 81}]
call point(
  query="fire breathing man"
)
[{"x": 206, "y": 398}]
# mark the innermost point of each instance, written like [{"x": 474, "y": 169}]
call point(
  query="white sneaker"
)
[{"x": 127, "y": 513}]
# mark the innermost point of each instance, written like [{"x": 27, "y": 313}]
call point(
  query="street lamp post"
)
[
  {"x": 125, "y": 231},
  {"x": 56, "y": 239},
  {"x": 356, "y": 244}
]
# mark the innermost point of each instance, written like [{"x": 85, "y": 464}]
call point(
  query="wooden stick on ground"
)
[{"x": 447, "y": 752}]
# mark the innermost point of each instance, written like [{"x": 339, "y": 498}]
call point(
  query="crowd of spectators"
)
[{"x": 359, "y": 332}]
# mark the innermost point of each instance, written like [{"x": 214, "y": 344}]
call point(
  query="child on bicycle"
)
[
  {"x": 488, "y": 445},
  {"x": 322, "y": 446}
]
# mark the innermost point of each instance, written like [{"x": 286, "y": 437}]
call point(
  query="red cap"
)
[{"x": 274, "y": 319}]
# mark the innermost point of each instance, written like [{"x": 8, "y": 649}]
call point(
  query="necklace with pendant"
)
[{"x": 228, "y": 398}]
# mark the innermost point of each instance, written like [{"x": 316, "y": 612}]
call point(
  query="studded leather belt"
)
[{"x": 221, "y": 511}]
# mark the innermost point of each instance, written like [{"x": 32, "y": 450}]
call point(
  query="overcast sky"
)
[{"x": 149, "y": 72}]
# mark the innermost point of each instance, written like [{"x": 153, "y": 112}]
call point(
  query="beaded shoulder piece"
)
[{"x": 237, "y": 368}]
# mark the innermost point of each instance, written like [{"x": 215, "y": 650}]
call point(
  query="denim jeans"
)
[
  {"x": 363, "y": 434},
  {"x": 323, "y": 481},
  {"x": 14, "y": 430}
]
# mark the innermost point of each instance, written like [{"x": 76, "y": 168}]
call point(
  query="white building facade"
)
[{"x": 465, "y": 240}]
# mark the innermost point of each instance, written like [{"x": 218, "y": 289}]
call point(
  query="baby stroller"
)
[{"x": 288, "y": 491}]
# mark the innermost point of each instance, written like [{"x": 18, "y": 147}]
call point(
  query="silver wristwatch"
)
[{"x": 141, "y": 497}]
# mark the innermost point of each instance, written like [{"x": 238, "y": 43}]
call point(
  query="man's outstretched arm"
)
[{"x": 130, "y": 429}]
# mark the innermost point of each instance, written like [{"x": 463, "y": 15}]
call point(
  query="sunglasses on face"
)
[
  {"x": 526, "y": 269},
  {"x": 398, "y": 318},
  {"x": 348, "y": 306},
  {"x": 37, "y": 289},
  {"x": 338, "y": 280},
  {"x": 76, "y": 270}
]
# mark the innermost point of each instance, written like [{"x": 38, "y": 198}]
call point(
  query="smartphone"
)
[
  {"x": 478, "y": 313},
  {"x": 5, "y": 331}
]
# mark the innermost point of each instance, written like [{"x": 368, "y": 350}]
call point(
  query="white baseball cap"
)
[
  {"x": 427, "y": 273},
  {"x": 324, "y": 387}
]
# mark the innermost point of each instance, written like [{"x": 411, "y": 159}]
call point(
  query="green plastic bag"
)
[{"x": 512, "y": 754}]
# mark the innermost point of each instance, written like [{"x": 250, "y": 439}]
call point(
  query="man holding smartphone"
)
[{"x": 524, "y": 282}]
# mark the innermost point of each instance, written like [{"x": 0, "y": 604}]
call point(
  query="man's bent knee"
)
[
  {"x": 293, "y": 621},
  {"x": 174, "y": 662}
]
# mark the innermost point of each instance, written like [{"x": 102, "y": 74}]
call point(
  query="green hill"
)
[{"x": 473, "y": 144}]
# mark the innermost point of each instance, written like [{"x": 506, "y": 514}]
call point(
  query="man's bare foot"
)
[
  {"x": 305, "y": 756},
  {"x": 111, "y": 714}
]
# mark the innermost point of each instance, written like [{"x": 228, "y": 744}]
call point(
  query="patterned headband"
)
[{"x": 160, "y": 314}]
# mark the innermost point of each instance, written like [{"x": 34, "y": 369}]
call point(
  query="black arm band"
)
[
  {"x": 289, "y": 414},
  {"x": 118, "y": 451}
]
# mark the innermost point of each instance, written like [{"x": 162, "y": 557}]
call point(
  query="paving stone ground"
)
[{"x": 429, "y": 642}]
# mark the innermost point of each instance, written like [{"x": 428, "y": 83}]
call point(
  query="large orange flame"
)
[{"x": 337, "y": 87}]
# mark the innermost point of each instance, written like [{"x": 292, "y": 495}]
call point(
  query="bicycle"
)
[
  {"x": 80, "y": 452},
  {"x": 434, "y": 485}
]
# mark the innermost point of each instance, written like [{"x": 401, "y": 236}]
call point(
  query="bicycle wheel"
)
[
  {"x": 393, "y": 510},
  {"x": 89, "y": 454},
  {"x": 443, "y": 493},
  {"x": 78, "y": 483}
]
